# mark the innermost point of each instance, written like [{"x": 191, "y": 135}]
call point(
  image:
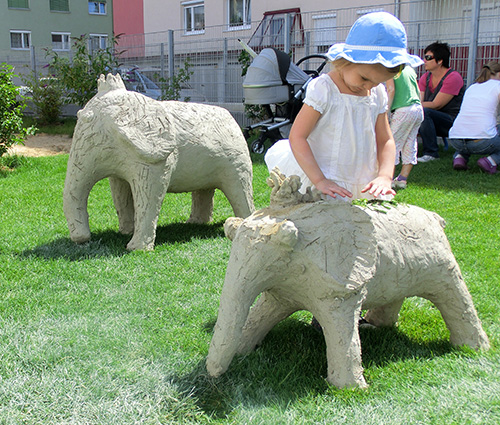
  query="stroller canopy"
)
[
  {"x": 269, "y": 77},
  {"x": 273, "y": 67}
]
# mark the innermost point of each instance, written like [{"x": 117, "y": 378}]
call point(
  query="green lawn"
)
[{"x": 94, "y": 334}]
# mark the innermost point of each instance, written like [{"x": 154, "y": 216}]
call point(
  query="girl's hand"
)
[
  {"x": 329, "y": 187},
  {"x": 379, "y": 186}
]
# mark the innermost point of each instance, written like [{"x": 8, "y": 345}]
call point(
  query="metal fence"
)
[{"x": 471, "y": 27}]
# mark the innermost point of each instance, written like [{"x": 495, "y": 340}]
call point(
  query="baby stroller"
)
[{"x": 274, "y": 82}]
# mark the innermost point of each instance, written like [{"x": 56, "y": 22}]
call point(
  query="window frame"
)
[
  {"x": 23, "y": 34},
  {"x": 99, "y": 3},
  {"x": 51, "y": 3},
  {"x": 19, "y": 8},
  {"x": 192, "y": 5},
  {"x": 247, "y": 16},
  {"x": 64, "y": 48},
  {"x": 322, "y": 41},
  {"x": 100, "y": 37}
]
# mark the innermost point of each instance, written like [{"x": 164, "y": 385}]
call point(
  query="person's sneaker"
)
[
  {"x": 399, "y": 183},
  {"x": 485, "y": 165},
  {"x": 426, "y": 158},
  {"x": 459, "y": 163}
]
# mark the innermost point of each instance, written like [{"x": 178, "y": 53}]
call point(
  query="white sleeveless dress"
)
[{"x": 343, "y": 140}]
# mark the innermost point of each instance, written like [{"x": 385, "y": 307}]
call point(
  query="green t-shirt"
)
[{"x": 406, "y": 90}]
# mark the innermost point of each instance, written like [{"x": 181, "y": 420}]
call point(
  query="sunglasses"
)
[{"x": 428, "y": 57}]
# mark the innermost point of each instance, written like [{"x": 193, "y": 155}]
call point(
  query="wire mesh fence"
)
[{"x": 471, "y": 28}]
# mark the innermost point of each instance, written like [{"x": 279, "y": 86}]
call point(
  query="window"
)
[
  {"x": 97, "y": 42},
  {"x": 59, "y": 5},
  {"x": 61, "y": 41},
  {"x": 239, "y": 13},
  {"x": 194, "y": 17},
  {"x": 97, "y": 7},
  {"x": 324, "y": 32},
  {"x": 18, "y": 4},
  {"x": 20, "y": 40}
]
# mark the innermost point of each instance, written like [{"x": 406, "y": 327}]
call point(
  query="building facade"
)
[{"x": 52, "y": 24}]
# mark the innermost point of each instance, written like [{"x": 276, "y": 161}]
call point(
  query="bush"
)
[
  {"x": 171, "y": 87},
  {"x": 11, "y": 109},
  {"x": 79, "y": 76},
  {"x": 47, "y": 96}
]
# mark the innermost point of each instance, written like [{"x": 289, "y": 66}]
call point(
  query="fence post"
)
[
  {"x": 224, "y": 70},
  {"x": 471, "y": 65},
  {"x": 308, "y": 44},
  {"x": 162, "y": 61},
  {"x": 286, "y": 29},
  {"x": 171, "y": 58},
  {"x": 33, "y": 61}
]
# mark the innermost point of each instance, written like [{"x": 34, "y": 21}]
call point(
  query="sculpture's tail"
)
[{"x": 110, "y": 82}]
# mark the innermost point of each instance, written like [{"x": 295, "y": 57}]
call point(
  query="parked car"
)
[{"x": 136, "y": 81}]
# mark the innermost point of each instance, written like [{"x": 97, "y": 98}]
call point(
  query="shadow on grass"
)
[
  {"x": 291, "y": 364},
  {"x": 186, "y": 232},
  {"x": 111, "y": 243}
]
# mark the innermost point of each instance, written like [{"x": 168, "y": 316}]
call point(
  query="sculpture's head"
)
[
  {"x": 110, "y": 82},
  {"x": 285, "y": 190}
]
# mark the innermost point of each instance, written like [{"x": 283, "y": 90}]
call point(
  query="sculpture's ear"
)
[
  {"x": 231, "y": 225},
  {"x": 283, "y": 233}
]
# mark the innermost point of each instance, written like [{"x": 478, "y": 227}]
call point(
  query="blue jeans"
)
[
  {"x": 483, "y": 147},
  {"x": 435, "y": 124}
]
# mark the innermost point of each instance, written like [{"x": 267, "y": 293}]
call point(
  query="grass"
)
[{"x": 93, "y": 334}]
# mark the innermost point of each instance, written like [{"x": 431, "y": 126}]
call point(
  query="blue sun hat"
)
[{"x": 376, "y": 37}]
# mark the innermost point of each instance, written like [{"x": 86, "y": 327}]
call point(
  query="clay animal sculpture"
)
[
  {"x": 335, "y": 259},
  {"x": 148, "y": 148}
]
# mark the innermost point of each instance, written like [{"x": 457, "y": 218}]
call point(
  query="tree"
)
[{"x": 11, "y": 111}]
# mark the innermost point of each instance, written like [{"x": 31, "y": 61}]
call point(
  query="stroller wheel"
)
[{"x": 257, "y": 146}]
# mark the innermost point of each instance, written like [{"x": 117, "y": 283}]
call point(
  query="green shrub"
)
[
  {"x": 11, "y": 109},
  {"x": 47, "y": 97},
  {"x": 79, "y": 75},
  {"x": 171, "y": 87}
]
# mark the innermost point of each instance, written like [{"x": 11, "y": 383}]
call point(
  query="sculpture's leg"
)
[
  {"x": 149, "y": 185},
  {"x": 386, "y": 315},
  {"x": 453, "y": 300},
  {"x": 339, "y": 319},
  {"x": 202, "y": 206},
  {"x": 264, "y": 315},
  {"x": 80, "y": 179},
  {"x": 124, "y": 204},
  {"x": 233, "y": 313},
  {"x": 238, "y": 190}
]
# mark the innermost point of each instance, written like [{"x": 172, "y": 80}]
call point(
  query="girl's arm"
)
[
  {"x": 391, "y": 90},
  {"x": 303, "y": 125},
  {"x": 386, "y": 155}
]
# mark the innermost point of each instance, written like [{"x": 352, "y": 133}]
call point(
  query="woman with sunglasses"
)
[{"x": 441, "y": 93}]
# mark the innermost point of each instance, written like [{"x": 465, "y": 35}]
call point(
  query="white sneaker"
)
[{"x": 426, "y": 158}]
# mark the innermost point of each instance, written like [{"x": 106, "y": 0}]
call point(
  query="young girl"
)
[{"x": 341, "y": 141}]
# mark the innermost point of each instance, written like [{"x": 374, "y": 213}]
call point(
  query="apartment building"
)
[{"x": 52, "y": 23}]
